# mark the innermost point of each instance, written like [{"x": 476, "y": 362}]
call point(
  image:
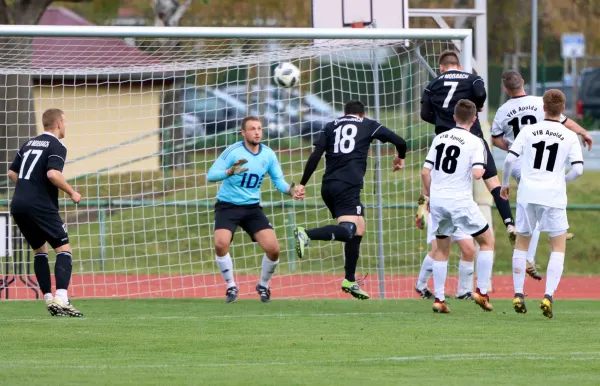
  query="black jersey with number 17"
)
[
  {"x": 346, "y": 142},
  {"x": 446, "y": 90},
  {"x": 34, "y": 193}
]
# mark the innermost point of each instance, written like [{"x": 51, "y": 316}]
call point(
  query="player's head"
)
[
  {"x": 54, "y": 121},
  {"x": 354, "y": 108},
  {"x": 465, "y": 113},
  {"x": 449, "y": 61},
  {"x": 252, "y": 130},
  {"x": 512, "y": 82},
  {"x": 554, "y": 103}
]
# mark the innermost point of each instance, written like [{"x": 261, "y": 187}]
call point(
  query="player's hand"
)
[
  {"x": 76, "y": 197},
  {"x": 505, "y": 192},
  {"x": 398, "y": 163},
  {"x": 297, "y": 191},
  {"x": 237, "y": 168},
  {"x": 587, "y": 141}
]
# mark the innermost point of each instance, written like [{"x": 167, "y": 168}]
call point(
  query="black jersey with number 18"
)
[
  {"x": 346, "y": 142},
  {"x": 34, "y": 192}
]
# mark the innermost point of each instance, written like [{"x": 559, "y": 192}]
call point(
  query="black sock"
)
[
  {"x": 42, "y": 272},
  {"x": 351, "y": 251},
  {"x": 325, "y": 233},
  {"x": 503, "y": 207},
  {"x": 62, "y": 270}
]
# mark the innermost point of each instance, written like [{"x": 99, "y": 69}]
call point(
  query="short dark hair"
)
[
  {"x": 249, "y": 118},
  {"x": 354, "y": 107},
  {"x": 51, "y": 117},
  {"x": 449, "y": 58},
  {"x": 464, "y": 111},
  {"x": 512, "y": 80},
  {"x": 554, "y": 102}
]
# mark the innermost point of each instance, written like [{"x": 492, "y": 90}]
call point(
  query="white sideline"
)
[{"x": 572, "y": 356}]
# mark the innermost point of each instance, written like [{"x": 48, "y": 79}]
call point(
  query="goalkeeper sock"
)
[
  {"x": 425, "y": 273},
  {"x": 485, "y": 263},
  {"x": 535, "y": 238},
  {"x": 351, "y": 254},
  {"x": 62, "y": 274},
  {"x": 268, "y": 269},
  {"x": 518, "y": 266},
  {"x": 554, "y": 272},
  {"x": 226, "y": 267},
  {"x": 440, "y": 271},
  {"x": 465, "y": 277},
  {"x": 328, "y": 232},
  {"x": 42, "y": 272},
  {"x": 503, "y": 207}
]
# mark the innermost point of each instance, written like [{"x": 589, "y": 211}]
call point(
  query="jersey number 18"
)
[
  {"x": 450, "y": 161},
  {"x": 344, "y": 138}
]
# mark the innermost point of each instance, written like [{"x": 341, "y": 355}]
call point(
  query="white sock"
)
[
  {"x": 465, "y": 277},
  {"x": 485, "y": 264},
  {"x": 226, "y": 267},
  {"x": 440, "y": 271},
  {"x": 268, "y": 269},
  {"x": 535, "y": 238},
  {"x": 554, "y": 272},
  {"x": 425, "y": 273},
  {"x": 62, "y": 295},
  {"x": 519, "y": 266},
  {"x": 48, "y": 296}
]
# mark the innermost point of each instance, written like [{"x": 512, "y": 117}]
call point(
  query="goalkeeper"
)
[{"x": 242, "y": 168}]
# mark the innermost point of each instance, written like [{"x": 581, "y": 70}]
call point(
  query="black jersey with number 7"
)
[
  {"x": 346, "y": 142},
  {"x": 34, "y": 191}
]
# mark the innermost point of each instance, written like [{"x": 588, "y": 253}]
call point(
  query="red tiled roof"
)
[{"x": 100, "y": 54}]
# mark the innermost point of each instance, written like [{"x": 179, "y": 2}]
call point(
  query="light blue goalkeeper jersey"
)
[{"x": 244, "y": 188}]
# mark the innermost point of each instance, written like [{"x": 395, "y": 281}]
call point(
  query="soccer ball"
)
[{"x": 286, "y": 75}]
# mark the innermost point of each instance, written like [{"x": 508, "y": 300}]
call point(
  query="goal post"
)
[{"x": 146, "y": 121}]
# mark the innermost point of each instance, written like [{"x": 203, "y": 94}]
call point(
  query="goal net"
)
[{"x": 146, "y": 119}]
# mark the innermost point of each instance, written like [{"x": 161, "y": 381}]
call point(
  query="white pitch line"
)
[{"x": 574, "y": 356}]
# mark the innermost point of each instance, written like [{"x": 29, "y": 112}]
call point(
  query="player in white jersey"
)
[
  {"x": 544, "y": 147},
  {"x": 454, "y": 159},
  {"x": 511, "y": 117}
]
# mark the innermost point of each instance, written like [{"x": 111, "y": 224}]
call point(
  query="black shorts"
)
[
  {"x": 342, "y": 198},
  {"x": 250, "y": 218},
  {"x": 490, "y": 167},
  {"x": 41, "y": 228}
]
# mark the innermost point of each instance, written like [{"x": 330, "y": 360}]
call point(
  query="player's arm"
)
[
  {"x": 426, "y": 171},
  {"x": 276, "y": 175},
  {"x": 576, "y": 161},
  {"x": 56, "y": 164},
  {"x": 498, "y": 134},
  {"x": 478, "y": 161},
  {"x": 15, "y": 167},
  {"x": 386, "y": 135},
  {"x": 514, "y": 152},
  {"x": 427, "y": 111},
  {"x": 577, "y": 129},
  {"x": 315, "y": 157},
  {"x": 224, "y": 168},
  {"x": 479, "y": 94}
]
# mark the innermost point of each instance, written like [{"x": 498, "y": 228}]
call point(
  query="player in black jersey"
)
[
  {"x": 437, "y": 107},
  {"x": 345, "y": 142},
  {"x": 37, "y": 173}
]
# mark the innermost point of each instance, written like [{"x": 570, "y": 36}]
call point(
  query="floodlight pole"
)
[{"x": 534, "y": 47}]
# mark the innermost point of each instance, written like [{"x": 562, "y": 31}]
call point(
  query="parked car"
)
[{"x": 588, "y": 101}]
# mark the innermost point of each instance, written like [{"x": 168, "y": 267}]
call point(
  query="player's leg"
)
[
  {"x": 267, "y": 240},
  {"x": 531, "y": 269},
  {"x": 227, "y": 218},
  {"x": 490, "y": 177},
  {"x": 427, "y": 264},
  {"x": 351, "y": 255},
  {"x": 554, "y": 221},
  {"x": 466, "y": 264},
  {"x": 440, "y": 272},
  {"x": 526, "y": 225}
]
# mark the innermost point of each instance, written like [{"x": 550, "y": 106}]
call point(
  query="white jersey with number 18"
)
[
  {"x": 545, "y": 148},
  {"x": 452, "y": 157}
]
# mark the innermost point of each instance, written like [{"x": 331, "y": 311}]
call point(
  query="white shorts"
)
[
  {"x": 468, "y": 219},
  {"x": 456, "y": 236},
  {"x": 548, "y": 219}
]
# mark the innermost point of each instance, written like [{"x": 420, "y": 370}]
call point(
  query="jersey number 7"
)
[{"x": 448, "y": 99}]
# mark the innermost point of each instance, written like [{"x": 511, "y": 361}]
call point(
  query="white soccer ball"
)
[{"x": 286, "y": 75}]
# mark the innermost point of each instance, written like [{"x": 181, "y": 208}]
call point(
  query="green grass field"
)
[{"x": 343, "y": 342}]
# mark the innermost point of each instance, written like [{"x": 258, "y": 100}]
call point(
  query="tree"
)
[{"x": 17, "y": 117}]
